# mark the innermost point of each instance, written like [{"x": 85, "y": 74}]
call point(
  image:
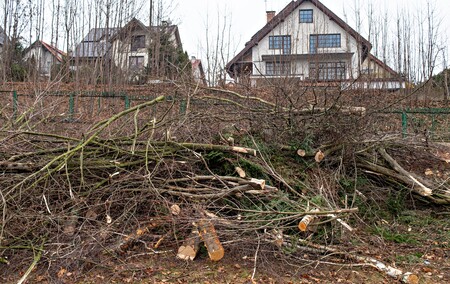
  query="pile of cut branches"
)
[{"x": 79, "y": 201}]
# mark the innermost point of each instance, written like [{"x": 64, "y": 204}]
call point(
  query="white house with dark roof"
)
[
  {"x": 127, "y": 48},
  {"x": 132, "y": 45},
  {"x": 307, "y": 41},
  {"x": 43, "y": 57}
]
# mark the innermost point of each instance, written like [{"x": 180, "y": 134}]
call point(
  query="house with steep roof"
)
[
  {"x": 198, "y": 73},
  {"x": 134, "y": 49},
  {"x": 139, "y": 49},
  {"x": 307, "y": 42},
  {"x": 43, "y": 57}
]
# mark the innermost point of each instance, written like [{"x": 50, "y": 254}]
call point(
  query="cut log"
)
[
  {"x": 301, "y": 152},
  {"x": 257, "y": 183},
  {"x": 319, "y": 156},
  {"x": 240, "y": 172},
  {"x": 175, "y": 210},
  {"x": 190, "y": 247},
  {"x": 306, "y": 220},
  {"x": 211, "y": 240}
]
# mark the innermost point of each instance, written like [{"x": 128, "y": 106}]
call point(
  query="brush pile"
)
[{"x": 154, "y": 178}]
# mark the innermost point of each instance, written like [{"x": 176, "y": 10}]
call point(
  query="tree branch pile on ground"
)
[{"x": 172, "y": 180}]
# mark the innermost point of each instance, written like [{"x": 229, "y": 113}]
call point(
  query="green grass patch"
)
[
  {"x": 410, "y": 258},
  {"x": 396, "y": 237}
]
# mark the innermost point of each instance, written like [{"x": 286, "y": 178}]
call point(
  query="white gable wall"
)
[
  {"x": 44, "y": 59},
  {"x": 300, "y": 42},
  {"x": 122, "y": 50}
]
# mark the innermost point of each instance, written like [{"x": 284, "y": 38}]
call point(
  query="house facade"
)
[
  {"x": 306, "y": 41},
  {"x": 131, "y": 50},
  {"x": 198, "y": 73},
  {"x": 139, "y": 49},
  {"x": 43, "y": 57}
]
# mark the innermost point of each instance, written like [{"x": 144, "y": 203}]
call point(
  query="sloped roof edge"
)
[
  {"x": 58, "y": 54},
  {"x": 383, "y": 65}
]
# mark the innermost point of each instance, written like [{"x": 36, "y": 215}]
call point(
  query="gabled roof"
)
[
  {"x": 97, "y": 34},
  {"x": 383, "y": 65},
  {"x": 198, "y": 66},
  {"x": 280, "y": 17},
  {"x": 58, "y": 54},
  {"x": 94, "y": 44},
  {"x": 134, "y": 24}
]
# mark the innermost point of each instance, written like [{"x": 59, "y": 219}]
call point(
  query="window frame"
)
[
  {"x": 328, "y": 70},
  {"x": 133, "y": 62},
  {"x": 306, "y": 19},
  {"x": 137, "y": 44},
  {"x": 281, "y": 42},
  {"x": 278, "y": 68},
  {"x": 317, "y": 41}
]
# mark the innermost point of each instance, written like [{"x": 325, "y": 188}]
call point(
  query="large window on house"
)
[
  {"x": 282, "y": 42},
  {"x": 278, "y": 68},
  {"x": 306, "y": 16},
  {"x": 136, "y": 62},
  {"x": 324, "y": 41},
  {"x": 137, "y": 42},
  {"x": 327, "y": 70}
]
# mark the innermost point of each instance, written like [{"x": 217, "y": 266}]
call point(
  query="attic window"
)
[
  {"x": 306, "y": 16},
  {"x": 137, "y": 42}
]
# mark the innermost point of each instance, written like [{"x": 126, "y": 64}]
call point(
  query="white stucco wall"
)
[
  {"x": 121, "y": 50},
  {"x": 300, "y": 42},
  {"x": 43, "y": 58}
]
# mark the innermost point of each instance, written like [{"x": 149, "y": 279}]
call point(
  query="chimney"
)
[{"x": 270, "y": 15}]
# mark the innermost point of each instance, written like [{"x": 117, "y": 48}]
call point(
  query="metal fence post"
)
[
  {"x": 182, "y": 106},
  {"x": 404, "y": 124},
  {"x": 433, "y": 126},
  {"x": 127, "y": 101},
  {"x": 15, "y": 104},
  {"x": 71, "y": 106}
]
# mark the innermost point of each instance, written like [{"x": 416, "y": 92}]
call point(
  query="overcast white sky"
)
[{"x": 248, "y": 16}]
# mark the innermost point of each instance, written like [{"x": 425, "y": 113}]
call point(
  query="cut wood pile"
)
[{"x": 175, "y": 184}]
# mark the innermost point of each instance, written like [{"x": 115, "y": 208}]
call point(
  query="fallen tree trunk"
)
[
  {"x": 419, "y": 186},
  {"x": 209, "y": 236}
]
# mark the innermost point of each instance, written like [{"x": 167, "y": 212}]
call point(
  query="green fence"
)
[
  {"x": 99, "y": 96},
  {"x": 432, "y": 120}
]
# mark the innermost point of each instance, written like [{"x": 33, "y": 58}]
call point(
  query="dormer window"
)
[
  {"x": 306, "y": 16},
  {"x": 137, "y": 42}
]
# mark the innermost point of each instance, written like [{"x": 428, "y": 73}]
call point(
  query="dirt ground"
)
[{"x": 417, "y": 241}]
